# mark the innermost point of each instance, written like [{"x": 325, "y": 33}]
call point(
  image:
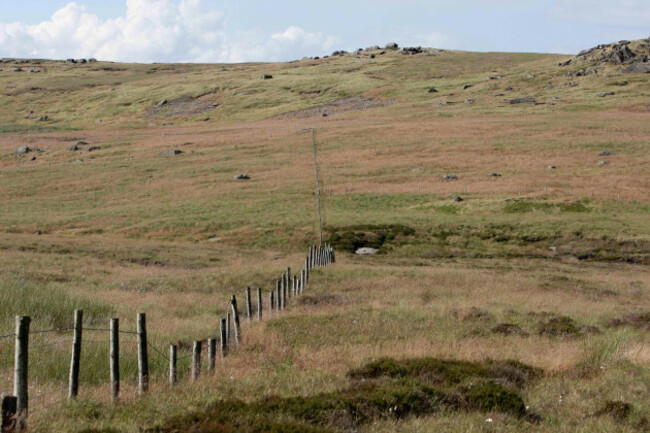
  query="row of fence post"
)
[{"x": 15, "y": 407}]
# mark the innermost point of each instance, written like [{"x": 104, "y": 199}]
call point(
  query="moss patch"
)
[
  {"x": 352, "y": 238},
  {"x": 382, "y": 389}
]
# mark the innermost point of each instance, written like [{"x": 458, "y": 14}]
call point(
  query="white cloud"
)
[{"x": 153, "y": 31}]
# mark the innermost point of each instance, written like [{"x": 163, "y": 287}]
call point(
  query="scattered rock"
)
[
  {"x": 242, "y": 176},
  {"x": 79, "y": 161},
  {"x": 391, "y": 46},
  {"x": 42, "y": 119},
  {"x": 591, "y": 71},
  {"x": 22, "y": 150},
  {"x": 606, "y": 153},
  {"x": 33, "y": 158},
  {"x": 449, "y": 177},
  {"x": 524, "y": 100},
  {"x": 92, "y": 60},
  {"x": 551, "y": 167},
  {"x": 98, "y": 121},
  {"x": 93, "y": 148},
  {"x": 509, "y": 89},
  {"x": 433, "y": 90},
  {"x": 267, "y": 77},
  {"x": 366, "y": 251},
  {"x": 572, "y": 84},
  {"x": 509, "y": 329},
  {"x": 73, "y": 148},
  {"x": 602, "y": 95},
  {"x": 549, "y": 86},
  {"x": 603, "y": 163},
  {"x": 215, "y": 239},
  {"x": 469, "y": 101},
  {"x": 81, "y": 143},
  {"x": 530, "y": 76},
  {"x": 161, "y": 103},
  {"x": 466, "y": 86},
  {"x": 411, "y": 50},
  {"x": 457, "y": 199},
  {"x": 171, "y": 152},
  {"x": 636, "y": 320},
  {"x": 495, "y": 77},
  {"x": 474, "y": 314},
  {"x": 494, "y": 175}
]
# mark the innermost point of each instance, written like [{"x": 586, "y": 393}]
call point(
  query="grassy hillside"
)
[{"x": 545, "y": 266}]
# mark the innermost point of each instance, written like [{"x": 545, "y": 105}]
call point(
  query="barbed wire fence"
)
[{"x": 35, "y": 378}]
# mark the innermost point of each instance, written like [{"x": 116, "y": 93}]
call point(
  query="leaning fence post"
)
[
  {"x": 259, "y": 304},
  {"x": 288, "y": 282},
  {"x": 307, "y": 268},
  {"x": 212, "y": 354},
  {"x": 196, "y": 360},
  {"x": 235, "y": 318},
  {"x": 73, "y": 383},
  {"x": 143, "y": 358},
  {"x": 249, "y": 306},
  {"x": 173, "y": 362},
  {"x": 115, "y": 359},
  {"x": 271, "y": 301},
  {"x": 9, "y": 408},
  {"x": 21, "y": 363},
  {"x": 228, "y": 328},
  {"x": 224, "y": 339}
]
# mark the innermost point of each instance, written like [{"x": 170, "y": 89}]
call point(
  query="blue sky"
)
[{"x": 265, "y": 30}]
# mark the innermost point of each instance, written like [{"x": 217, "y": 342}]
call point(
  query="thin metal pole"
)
[{"x": 320, "y": 215}]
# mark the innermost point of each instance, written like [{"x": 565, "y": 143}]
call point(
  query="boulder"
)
[
  {"x": 411, "y": 50},
  {"x": 524, "y": 100},
  {"x": 466, "y": 86},
  {"x": 242, "y": 176},
  {"x": 73, "y": 148},
  {"x": 591, "y": 71},
  {"x": 42, "y": 119},
  {"x": 449, "y": 177},
  {"x": 171, "y": 152},
  {"x": 161, "y": 103},
  {"x": 457, "y": 199},
  {"x": 433, "y": 90},
  {"x": 366, "y": 251},
  {"x": 638, "y": 68},
  {"x": 391, "y": 46},
  {"x": 22, "y": 150}
]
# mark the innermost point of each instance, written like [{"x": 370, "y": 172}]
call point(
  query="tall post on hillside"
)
[
  {"x": 114, "y": 355},
  {"x": 143, "y": 357},
  {"x": 320, "y": 214},
  {"x": 73, "y": 383},
  {"x": 21, "y": 362}
]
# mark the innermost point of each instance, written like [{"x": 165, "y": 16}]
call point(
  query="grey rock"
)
[
  {"x": 457, "y": 199},
  {"x": 449, "y": 177},
  {"x": 81, "y": 143},
  {"x": 171, "y": 152},
  {"x": 606, "y": 153},
  {"x": 551, "y": 167},
  {"x": 42, "y": 119},
  {"x": 530, "y": 76},
  {"x": 33, "y": 158},
  {"x": 366, "y": 251},
  {"x": 591, "y": 71},
  {"x": 638, "y": 68},
  {"x": 495, "y": 77},
  {"x": 161, "y": 103},
  {"x": 73, "y": 148},
  {"x": 92, "y": 60},
  {"x": 242, "y": 176},
  {"x": 391, "y": 46},
  {"x": 603, "y": 163},
  {"x": 509, "y": 89},
  {"x": 604, "y": 94},
  {"x": 469, "y": 101},
  {"x": 93, "y": 148},
  {"x": 494, "y": 175},
  {"x": 466, "y": 86},
  {"x": 22, "y": 150},
  {"x": 549, "y": 86},
  {"x": 267, "y": 77},
  {"x": 433, "y": 90},
  {"x": 524, "y": 100},
  {"x": 572, "y": 84}
]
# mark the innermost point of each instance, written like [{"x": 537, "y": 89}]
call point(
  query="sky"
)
[{"x": 216, "y": 31}]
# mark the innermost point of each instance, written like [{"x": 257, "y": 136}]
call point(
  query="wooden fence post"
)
[
  {"x": 114, "y": 356},
  {"x": 249, "y": 306},
  {"x": 289, "y": 282},
  {"x": 73, "y": 383},
  {"x": 212, "y": 354},
  {"x": 196, "y": 360},
  {"x": 21, "y": 368},
  {"x": 278, "y": 288},
  {"x": 295, "y": 285},
  {"x": 307, "y": 269},
  {"x": 271, "y": 301},
  {"x": 228, "y": 328},
  {"x": 224, "y": 339},
  {"x": 9, "y": 407},
  {"x": 173, "y": 362},
  {"x": 143, "y": 357},
  {"x": 259, "y": 304},
  {"x": 235, "y": 318}
]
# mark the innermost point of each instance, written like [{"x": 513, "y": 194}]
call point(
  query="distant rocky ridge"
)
[{"x": 631, "y": 56}]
